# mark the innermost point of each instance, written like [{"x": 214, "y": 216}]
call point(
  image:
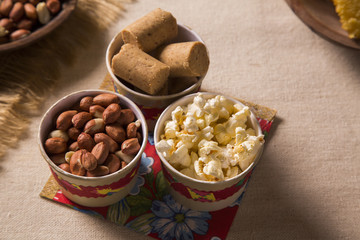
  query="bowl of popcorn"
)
[
  {"x": 208, "y": 145},
  {"x": 156, "y": 60},
  {"x": 92, "y": 141}
]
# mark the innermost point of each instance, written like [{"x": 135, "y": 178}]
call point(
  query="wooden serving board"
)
[{"x": 320, "y": 17}]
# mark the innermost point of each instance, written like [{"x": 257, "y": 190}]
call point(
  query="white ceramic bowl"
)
[
  {"x": 92, "y": 191},
  {"x": 185, "y": 34},
  {"x": 202, "y": 195}
]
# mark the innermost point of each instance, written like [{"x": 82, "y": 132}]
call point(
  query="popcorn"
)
[{"x": 209, "y": 140}]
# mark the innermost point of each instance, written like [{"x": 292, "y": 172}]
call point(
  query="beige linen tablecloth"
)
[{"x": 306, "y": 185}]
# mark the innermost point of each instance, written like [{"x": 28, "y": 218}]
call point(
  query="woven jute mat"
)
[{"x": 28, "y": 75}]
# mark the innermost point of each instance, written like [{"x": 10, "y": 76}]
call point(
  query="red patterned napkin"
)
[{"x": 149, "y": 209}]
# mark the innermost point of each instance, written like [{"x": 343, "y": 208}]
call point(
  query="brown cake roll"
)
[
  {"x": 186, "y": 59},
  {"x": 140, "y": 69},
  {"x": 152, "y": 30}
]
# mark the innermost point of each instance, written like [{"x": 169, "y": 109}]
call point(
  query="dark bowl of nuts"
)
[
  {"x": 23, "y": 22},
  {"x": 93, "y": 141}
]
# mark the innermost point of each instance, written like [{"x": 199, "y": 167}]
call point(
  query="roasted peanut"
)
[
  {"x": 125, "y": 157},
  {"x": 3, "y": 31},
  {"x": 76, "y": 167},
  {"x": 85, "y": 141},
  {"x": 132, "y": 128},
  {"x": 123, "y": 164},
  {"x": 25, "y": 24},
  {"x": 130, "y": 146},
  {"x": 101, "y": 152},
  {"x": 99, "y": 171},
  {"x": 7, "y": 24},
  {"x": 30, "y": 11},
  {"x": 113, "y": 163},
  {"x": 53, "y": 6},
  {"x": 105, "y": 99},
  {"x": 127, "y": 116},
  {"x": 58, "y": 158},
  {"x": 116, "y": 132},
  {"x": 43, "y": 13},
  {"x": 59, "y": 133},
  {"x": 5, "y": 7},
  {"x": 96, "y": 111},
  {"x": 68, "y": 155},
  {"x": 85, "y": 103},
  {"x": 94, "y": 126},
  {"x": 63, "y": 122},
  {"x": 88, "y": 160},
  {"x": 80, "y": 119},
  {"x": 19, "y": 34},
  {"x": 17, "y": 12},
  {"x": 55, "y": 145},
  {"x": 102, "y": 137},
  {"x": 73, "y": 133},
  {"x": 34, "y": 2},
  {"x": 65, "y": 167},
  {"x": 111, "y": 113},
  {"x": 74, "y": 146}
]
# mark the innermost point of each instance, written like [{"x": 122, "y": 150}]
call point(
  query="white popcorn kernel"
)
[
  {"x": 180, "y": 158},
  {"x": 177, "y": 114},
  {"x": 221, "y": 134},
  {"x": 186, "y": 139},
  {"x": 199, "y": 100},
  {"x": 240, "y": 135},
  {"x": 190, "y": 172},
  {"x": 223, "y": 113},
  {"x": 250, "y": 132},
  {"x": 207, "y": 133},
  {"x": 190, "y": 124},
  {"x": 198, "y": 168},
  {"x": 171, "y": 128},
  {"x": 207, "y": 147},
  {"x": 227, "y": 104},
  {"x": 231, "y": 172},
  {"x": 201, "y": 123},
  {"x": 213, "y": 168}
]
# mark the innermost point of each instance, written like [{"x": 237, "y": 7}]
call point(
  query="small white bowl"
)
[
  {"x": 197, "y": 194},
  {"x": 92, "y": 191},
  {"x": 185, "y": 34}
]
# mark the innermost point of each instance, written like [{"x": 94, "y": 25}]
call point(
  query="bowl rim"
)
[
  {"x": 189, "y": 97},
  {"x": 150, "y": 97},
  {"x": 123, "y": 100},
  {"x": 68, "y": 7}
]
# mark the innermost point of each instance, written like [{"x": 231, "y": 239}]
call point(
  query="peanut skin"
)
[{"x": 63, "y": 122}]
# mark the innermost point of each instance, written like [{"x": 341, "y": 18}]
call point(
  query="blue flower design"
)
[
  {"x": 151, "y": 138},
  {"x": 173, "y": 220},
  {"x": 145, "y": 168}
]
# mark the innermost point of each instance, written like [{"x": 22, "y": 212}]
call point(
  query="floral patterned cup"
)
[
  {"x": 92, "y": 191},
  {"x": 197, "y": 194}
]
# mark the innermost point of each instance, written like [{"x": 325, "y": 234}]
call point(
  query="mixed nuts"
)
[{"x": 94, "y": 138}]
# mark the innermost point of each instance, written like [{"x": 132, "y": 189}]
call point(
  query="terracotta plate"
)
[
  {"x": 320, "y": 16},
  {"x": 67, "y": 7}
]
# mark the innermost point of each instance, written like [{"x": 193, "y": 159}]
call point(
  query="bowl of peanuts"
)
[
  {"x": 93, "y": 141},
  {"x": 208, "y": 145},
  {"x": 24, "y": 22}
]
